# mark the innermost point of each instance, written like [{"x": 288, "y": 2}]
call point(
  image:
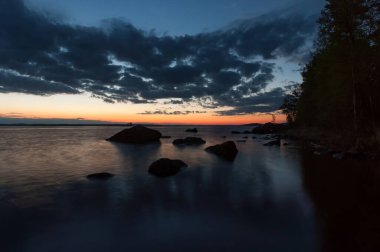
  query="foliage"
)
[{"x": 341, "y": 84}]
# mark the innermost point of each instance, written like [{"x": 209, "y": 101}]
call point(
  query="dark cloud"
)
[
  {"x": 119, "y": 63},
  {"x": 176, "y": 112},
  {"x": 265, "y": 102}
]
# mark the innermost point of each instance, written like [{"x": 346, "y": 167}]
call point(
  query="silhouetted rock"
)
[
  {"x": 100, "y": 176},
  {"x": 165, "y": 167},
  {"x": 269, "y": 128},
  {"x": 225, "y": 150},
  {"x": 189, "y": 141},
  {"x": 193, "y": 130},
  {"x": 224, "y": 137},
  {"x": 254, "y": 137},
  {"x": 245, "y": 137},
  {"x": 241, "y": 141},
  {"x": 136, "y": 135},
  {"x": 235, "y": 132},
  {"x": 166, "y": 137},
  {"x": 274, "y": 142},
  {"x": 247, "y": 132}
]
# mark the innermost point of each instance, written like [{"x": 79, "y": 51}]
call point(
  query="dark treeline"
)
[{"x": 341, "y": 83}]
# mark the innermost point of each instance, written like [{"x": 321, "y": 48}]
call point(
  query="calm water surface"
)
[{"x": 268, "y": 199}]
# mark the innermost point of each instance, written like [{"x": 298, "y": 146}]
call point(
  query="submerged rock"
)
[
  {"x": 193, "y": 130},
  {"x": 165, "y": 167},
  {"x": 136, "y": 135},
  {"x": 100, "y": 176},
  {"x": 189, "y": 141},
  {"x": 241, "y": 141},
  {"x": 235, "y": 132},
  {"x": 274, "y": 142},
  {"x": 225, "y": 150}
]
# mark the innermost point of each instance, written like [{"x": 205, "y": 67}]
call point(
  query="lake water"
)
[{"x": 268, "y": 199}]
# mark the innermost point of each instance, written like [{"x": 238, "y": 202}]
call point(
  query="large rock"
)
[
  {"x": 165, "y": 167},
  {"x": 225, "y": 150},
  {"x": 136, "y": 135},
  {"x": 269, "y": 128},
  {"x": 189, "y": 141},
  {"x": 100, "y": 176}
]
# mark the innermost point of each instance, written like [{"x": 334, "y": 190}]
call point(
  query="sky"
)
[{"x": 149, "y": 61}]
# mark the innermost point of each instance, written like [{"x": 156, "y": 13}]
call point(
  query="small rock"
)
[
  {"x": 269, "y": 128},
  {"x": 245, "y": 137},
  {"x": 193, "y": 130},
  {"x": 235, "y": 132},
  {"x": 247, "y": 132},
  {"x": 100, "y": 176},
  {"x": 339, "y": 156},
  {"x": 165, "y": 167},
  {"x": 241, "y": 141},
  {"x": 274, "y": 142},
  {"x": 166, "y": 137},
  {"x": 189, "y": 141},
  {"x": 225, "y": 150}
]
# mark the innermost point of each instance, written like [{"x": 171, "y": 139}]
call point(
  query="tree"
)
[
  {"x": 289, "y": 107},
  {"x": 341, "y": 82}
]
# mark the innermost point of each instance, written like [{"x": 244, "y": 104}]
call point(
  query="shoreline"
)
[{"x": 339, "y": 144}]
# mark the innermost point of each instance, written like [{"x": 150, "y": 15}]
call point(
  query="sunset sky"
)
[{"x": 149, "y": 61}]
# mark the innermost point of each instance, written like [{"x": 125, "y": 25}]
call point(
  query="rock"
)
[
  {"x": 193, "y": 130},
  {"x": 225, "y": 150},
  {"x": 189, "y": 141},
  {"x": 274, "y": 142},
  {"x": 339, "y": 156},
  {"x": 269, "y": 128},
  {"x": 136, "y": 135},
  {"x": 235, "y": 132},
  {"x": 241, "y": 141},
  {"x": 165, "y": 167},
  {"x": 245, "y": 137},
  {"x": 166, "y": 137},
  {"x": 247, "y": 132},
  {"x": 285, "y": 144},
  {"x": 100, "y": 176},
  {"x": 224, "y": 137},
  {"x": 254, "y": 137}
]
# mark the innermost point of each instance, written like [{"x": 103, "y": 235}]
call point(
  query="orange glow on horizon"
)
[
  {"x": 80, "y": 106},
  {"x": 196, "y": 119}
]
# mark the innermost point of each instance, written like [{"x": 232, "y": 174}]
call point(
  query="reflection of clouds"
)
[{"x": 211, "y": 199}]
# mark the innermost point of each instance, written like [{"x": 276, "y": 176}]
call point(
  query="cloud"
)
[
  {"x": 119, "y": 63},
  {"x": 177, "y": 112},
  {"x": 261, "y": 103}
]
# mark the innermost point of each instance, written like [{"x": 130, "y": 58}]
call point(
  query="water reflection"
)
[
  {"x": 346, "y": 198},
  {"x": 256, "y": 203}
]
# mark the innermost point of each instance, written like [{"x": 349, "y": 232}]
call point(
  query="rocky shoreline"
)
[{"x": 338, "y": 145}]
